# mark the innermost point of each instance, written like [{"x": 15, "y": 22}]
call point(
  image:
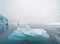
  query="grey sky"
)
[{"x": 31, "y": 11}]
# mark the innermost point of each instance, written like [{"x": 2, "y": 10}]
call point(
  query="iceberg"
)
[
  {"x": 3, "y": 24},
  {"x": 27, "y": 33}
]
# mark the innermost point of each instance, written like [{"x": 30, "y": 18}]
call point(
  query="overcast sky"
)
[{"x": 31, "y": 11}]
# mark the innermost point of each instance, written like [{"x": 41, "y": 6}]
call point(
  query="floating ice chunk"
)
[
  {"x": 3, "y": 24},
  {"x": 28, "y": 34}
]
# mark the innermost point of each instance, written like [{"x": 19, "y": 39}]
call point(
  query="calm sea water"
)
[{"x": 54, "y": 33}]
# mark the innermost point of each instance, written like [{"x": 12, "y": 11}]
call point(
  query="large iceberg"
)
[
  {"x": 3, "y": 24},
  {"x": 28, "y": 34}
]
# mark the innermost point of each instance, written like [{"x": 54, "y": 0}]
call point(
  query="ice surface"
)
[
  {"x": 28, "y": 34},
  {"x": 3, "y": 24}
]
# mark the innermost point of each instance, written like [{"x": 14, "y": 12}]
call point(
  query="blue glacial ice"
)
[{"x": 28, "y": 34}]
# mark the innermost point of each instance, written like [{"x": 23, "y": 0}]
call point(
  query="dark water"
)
[{"x": 54, "y": 33}]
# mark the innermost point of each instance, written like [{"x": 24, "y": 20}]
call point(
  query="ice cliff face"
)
[{"x": 3, "y": 24}]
